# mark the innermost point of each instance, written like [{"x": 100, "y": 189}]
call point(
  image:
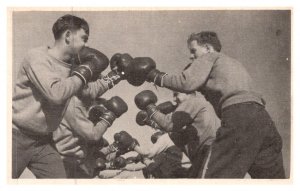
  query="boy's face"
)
[
  {"x": 197, "y": 50},
  {"x": 78, "y": 40}
]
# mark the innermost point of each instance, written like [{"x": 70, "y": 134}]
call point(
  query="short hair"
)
[
  {"x": 206, "y": 37},
  {"x": 69, "y": 22}
]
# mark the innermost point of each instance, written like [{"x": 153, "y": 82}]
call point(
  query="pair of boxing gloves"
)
[
  {"x": 135, "y": 70},
  {"x": 91, "y": 62},
  {"x": 123, "y": 143},
  {"x": 146, "y": 101},
  {"x": 107, "y": 110},
  {"x": 142, "y": 117},
  {"x": 117, "y": 163}
]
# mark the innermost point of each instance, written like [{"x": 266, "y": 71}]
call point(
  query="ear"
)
[
  {"x": 67, "y": 37},
  {"x": 209, "y": 48}
]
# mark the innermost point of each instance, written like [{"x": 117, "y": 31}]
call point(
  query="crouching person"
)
[{"x": 79, "y": 136}]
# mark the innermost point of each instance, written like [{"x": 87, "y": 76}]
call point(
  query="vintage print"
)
[{"x": 150, "y": 94}]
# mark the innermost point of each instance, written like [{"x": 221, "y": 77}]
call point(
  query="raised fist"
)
[
  {"x": 108, "y": 111},
  {"x": 146, "y": 100},
  {"x": 125, "y": 141},
  {"x": 90, "y": 63},
  {"x": 141, "y": 66},
  {"x": 121, "y": 67},
  {"x": 142, "y": 119},
  {"x": 118, "y": 163}
]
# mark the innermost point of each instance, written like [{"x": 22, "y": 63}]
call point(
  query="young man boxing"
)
[
  {"x": 227, "y": 85},
  {"x": 46, "y": 80},
  {"x": 192, "y": 125}
]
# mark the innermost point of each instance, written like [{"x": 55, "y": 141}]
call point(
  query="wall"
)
[{"x": 261, "y": 40}]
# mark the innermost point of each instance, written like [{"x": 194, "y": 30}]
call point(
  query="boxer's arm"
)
[
  {"x": 141, "y": 150},
  {"x": 184, "y": 114},
  {"x": 192, "y": 78},
  {"x": 77, "y": 120},
  {"x": 163, "y": 121},
  {"x": 54, "y": 87},
  {"x": 157, "y": 148},
  {"x": 95, "y": 89}
]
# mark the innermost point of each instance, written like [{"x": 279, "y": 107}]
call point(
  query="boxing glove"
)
[
  {"x": 124, "y": 65},
  {"x": 138, "y": 158},
  {"x": 90, "y": 63},
  {"x": 125, "y": 142},
  {"x": 146, "y": 100},
  {"x": 95, "y": 112},
  {"x": 114, "y": 60},
  {"x": 141, "y": 66},
  {"x": 117, "y": 137},
  {"x": 121, "y": 66},
  {"x": 143, "y": 119},
  {"x": 118, "y": 163},
  {"x": 166, "y": 107},
  {"x": 100, "y": 164},
  {"x": 119, "y": 149},
  {"x": 115, "y": 107}
]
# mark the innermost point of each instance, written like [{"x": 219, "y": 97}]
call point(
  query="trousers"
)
[
  {"x": 247, "y": 141},
  {"x": 37, "y": 154}
]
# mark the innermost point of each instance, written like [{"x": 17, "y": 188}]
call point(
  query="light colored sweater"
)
[
  {"x": 42, "y": 88},
  {"x": 222, "y": 80},
  {"x": 76, "y": 130},
  {"x": 200, "y": 114}
]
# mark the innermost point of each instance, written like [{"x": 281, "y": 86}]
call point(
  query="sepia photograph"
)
[{"x": 180, "y": 94}]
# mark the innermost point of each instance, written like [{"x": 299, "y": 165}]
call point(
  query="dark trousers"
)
[
  {"x": 247, "y": 141},
  {"x": 198, "y": 159},
  {"x": 167, "y": 164},
  {"x": 35, "y": 153}
]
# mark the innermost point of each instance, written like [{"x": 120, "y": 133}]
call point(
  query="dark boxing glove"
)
[
  {"x": 121, "y": 66},
  {"x": 143, "y": 119},
  {"x": 114, "y": 61},
  {"x": 146, "y": 100},
  {"x": 100, "y": 164},
  {"x": 90, "y": 63},
  {"x": 108, "y": 111},
  {"x": 94, "y": 113},
  {"x": 166, "y": 107},
  {"x": 125, "y": 141},
  {"x": 140, "y": 69},
  {"x": 115, "y": 108},
  {"x": 118, "y": 163}
]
